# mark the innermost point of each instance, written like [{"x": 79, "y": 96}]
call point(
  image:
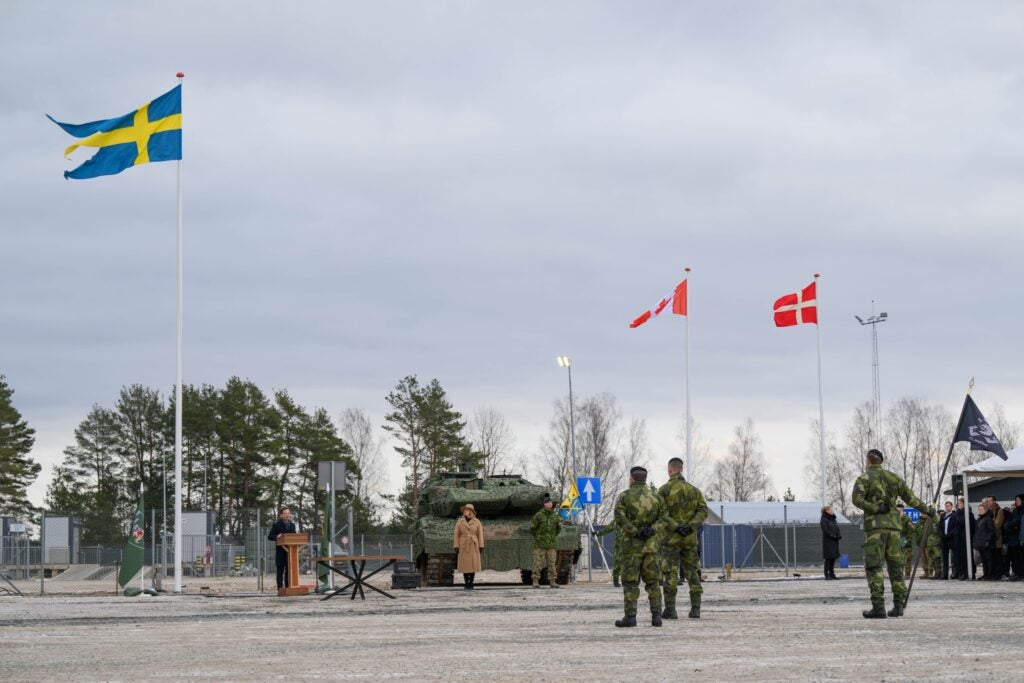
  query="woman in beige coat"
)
[{"x": 469, "y": 541}]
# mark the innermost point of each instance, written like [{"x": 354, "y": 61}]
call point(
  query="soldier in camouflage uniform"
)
[
  {"x": 686, "y": 510},
  {"x": 875, "y": 493},
  {"x": 616, "y": 552},
  {"x": 906, "y": 539},
  {"x": 932, "y": 551},
  {"x": 544, "y": 528},
  {"x": 640, "y": 519}
]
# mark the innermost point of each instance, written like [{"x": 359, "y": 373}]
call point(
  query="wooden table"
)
[{"x": 357, "y": 580}]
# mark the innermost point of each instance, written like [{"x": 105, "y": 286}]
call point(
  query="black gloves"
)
[
  {"x": 644, "y": 532},
  {"x": 684, "y": 529},
  {"x": 883, "y": 507}
]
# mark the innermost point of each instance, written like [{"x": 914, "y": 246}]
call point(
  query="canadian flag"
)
[
  {"x": 677, "y": 300},
  {"x": 799, "y": 307}
]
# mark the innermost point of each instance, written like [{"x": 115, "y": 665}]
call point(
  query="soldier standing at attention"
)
[
  {"x": 639, "y": 519},
  {"x": 616, "y": 552},
  {"x": 544, "y": 529},
  {"x": 875, "y": 493},
  {"x": 906, "y": 538},
  {"x": 686, "y": 509}
]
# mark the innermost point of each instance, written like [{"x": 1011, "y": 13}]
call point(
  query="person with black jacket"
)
[
  {"x": 1011, "y": 537},
  {"x": 283, "y": 525},
  {"x": 947, "y": 531},
  {"x": 985, "y": 543},
  {"x": 830, "y": 536},
  {"x": 960, "y": 541}
]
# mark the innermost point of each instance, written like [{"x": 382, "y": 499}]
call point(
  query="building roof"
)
[{"x": 763, "y": 512}]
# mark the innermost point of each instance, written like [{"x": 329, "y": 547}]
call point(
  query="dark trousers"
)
[
  {"x": 947, "y": 551},
  {"x": 830, "y": 567},
  {"x": 1016, "y": 557},
  {"x": 281, "y": 560},
  {"x": 988, "y": 566}
]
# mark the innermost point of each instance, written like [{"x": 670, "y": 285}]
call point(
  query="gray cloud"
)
[{"x": 465, "y": 191}]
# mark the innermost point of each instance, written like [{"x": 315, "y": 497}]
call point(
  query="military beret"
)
[
  {"x": 637, "y": 468},
  {"x": 876, "y": 453}
]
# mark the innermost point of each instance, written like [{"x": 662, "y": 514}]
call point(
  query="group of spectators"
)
[{"x": 996, "y": 538}]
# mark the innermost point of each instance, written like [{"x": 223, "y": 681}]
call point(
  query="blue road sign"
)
[
  {"x": 913, "y": 513},
  {"x": 590, "y": 490}
]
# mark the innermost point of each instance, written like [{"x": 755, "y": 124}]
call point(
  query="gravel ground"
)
[{"x": 751, "y": 630}]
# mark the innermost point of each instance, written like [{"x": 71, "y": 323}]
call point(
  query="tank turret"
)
[{"x": 505, "y": 504}]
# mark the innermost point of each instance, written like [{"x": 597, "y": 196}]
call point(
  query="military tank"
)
[{"x": 505, "y": 504}]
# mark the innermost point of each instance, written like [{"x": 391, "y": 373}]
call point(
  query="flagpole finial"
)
[
  {"x": 970, "y": 386},
  {"x": 817, "y": 275},
  {"x": 687, "y": 269},
  {"x": 181, "y": 74}
]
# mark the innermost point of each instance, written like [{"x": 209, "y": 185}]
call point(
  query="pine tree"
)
[{"x": 17, "y": 469}]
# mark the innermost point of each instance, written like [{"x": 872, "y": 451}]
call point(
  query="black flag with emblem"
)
[{"x": 976, "y": 430}]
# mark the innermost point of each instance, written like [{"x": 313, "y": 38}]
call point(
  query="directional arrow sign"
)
[{"x": 590, "y": 490}]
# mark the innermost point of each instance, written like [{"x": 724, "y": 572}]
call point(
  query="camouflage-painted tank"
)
[{"x": 505, "y": 504}]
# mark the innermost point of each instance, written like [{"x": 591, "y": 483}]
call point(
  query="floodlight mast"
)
[{"x": 876, "y": 398}]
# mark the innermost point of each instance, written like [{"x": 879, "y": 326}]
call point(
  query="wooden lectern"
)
[{"x": 291, "y": 543}]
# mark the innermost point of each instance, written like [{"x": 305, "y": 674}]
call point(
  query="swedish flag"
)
[{"x": 150, "y": 133}]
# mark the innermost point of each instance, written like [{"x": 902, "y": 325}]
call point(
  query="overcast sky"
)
[{"x": 465, "y": 190}]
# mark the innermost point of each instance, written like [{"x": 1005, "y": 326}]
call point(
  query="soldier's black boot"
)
[
  {"x": 670, "y": 613},
  {"x": 626, "y": 621},
  {"x": 656, "y": 618},
  {"x": 876, "y": 612},
  {"x": 615, "y": 582},
  {"x": 896, "y": 611},
  {"x": 694, "y": 607}
]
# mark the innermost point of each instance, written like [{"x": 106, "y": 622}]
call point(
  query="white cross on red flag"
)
[{"x": 798, "y": 307}]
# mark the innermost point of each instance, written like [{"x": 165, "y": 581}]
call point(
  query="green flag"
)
[{"x": 131, "y": 561}]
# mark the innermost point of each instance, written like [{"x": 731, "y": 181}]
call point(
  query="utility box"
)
[
  {"x": 405, "y": 575},
  {"x": 62, "y": 538}
]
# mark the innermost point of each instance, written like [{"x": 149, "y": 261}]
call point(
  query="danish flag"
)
[
  {"x": 799, "y": 307},
  {"x": 677, "y": 300}
]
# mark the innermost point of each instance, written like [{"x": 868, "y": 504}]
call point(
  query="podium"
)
[{"x": 291, "y": 543}]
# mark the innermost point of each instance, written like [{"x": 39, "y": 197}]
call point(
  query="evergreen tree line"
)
[
  {"x": 242, "y": 451},
  {"x": 17, "y": 469}
]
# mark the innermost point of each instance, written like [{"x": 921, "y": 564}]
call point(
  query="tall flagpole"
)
[
  {"x": 821, "y": 403},
  {"x": 177, "y": 401},
  {"x": 689, "y": 435}
]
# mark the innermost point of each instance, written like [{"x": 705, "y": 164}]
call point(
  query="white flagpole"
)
[
  {"x": 177, "y": 401},
  {"x": 821, "y": 404},
  {"x": 142, "y": 571},
  {"x": 689, "y": 435}
]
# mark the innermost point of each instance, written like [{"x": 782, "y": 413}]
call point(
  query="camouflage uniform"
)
[
  {"x": 933, "y": 552},
  {"x": 616, "y": 551},
  {"x": 639, "y": 507},
  {"x": 684, "y": 504},
  {"x": 544, "y": 529},
  {"x": 882, "y": 538}
]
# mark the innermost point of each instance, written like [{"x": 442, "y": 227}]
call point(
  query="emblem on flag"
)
[
  {"x": 975, "y": 429},
  {"x": 572, "y": 505},
  {"x": 676, "y": 300}
]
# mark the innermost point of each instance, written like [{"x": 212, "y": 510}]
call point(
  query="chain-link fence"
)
[
  {"x": 80, "y": 555},
  {"x": 757, "y": 546}
]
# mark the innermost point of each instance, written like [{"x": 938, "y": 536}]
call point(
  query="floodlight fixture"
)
[{"x": 564, "y": 361}]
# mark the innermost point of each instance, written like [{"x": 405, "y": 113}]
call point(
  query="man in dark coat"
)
[
  {"x": 947, "y": 532},
  {"x": 985, "y": 543},
  {"x": 283, "y": 525},
  {"x": 960, "y": 541},
  {"x": 829, "y": 541}
]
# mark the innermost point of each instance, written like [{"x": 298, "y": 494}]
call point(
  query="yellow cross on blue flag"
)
[
  {"x": 571, "y": 505},
  {"x": 150, "y": 133}
]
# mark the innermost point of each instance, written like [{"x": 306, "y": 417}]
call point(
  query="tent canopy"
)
[{"x": 995, "y": 466}]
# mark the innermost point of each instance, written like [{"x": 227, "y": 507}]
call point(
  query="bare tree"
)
[
  {"x": 555, "y": 455},
  {"x": 492, "y": 438},
  {"x": 356, "y": 429},
  {"x": 1008, "y": 431},
  {"x": 741, "y": 474},
  {"x": 840, "y": 470},
  {"x": 702, "y": 457}
]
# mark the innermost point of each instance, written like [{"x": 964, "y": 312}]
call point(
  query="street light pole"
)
[
  {"x": 876, "y": 383},
  {"x": 566, "y": 362}
]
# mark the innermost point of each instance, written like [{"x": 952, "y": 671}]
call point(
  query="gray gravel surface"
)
[{"x": 778, "y": 630}]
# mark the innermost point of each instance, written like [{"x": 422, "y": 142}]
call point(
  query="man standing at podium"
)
[{"x": 283, "y": 525}]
